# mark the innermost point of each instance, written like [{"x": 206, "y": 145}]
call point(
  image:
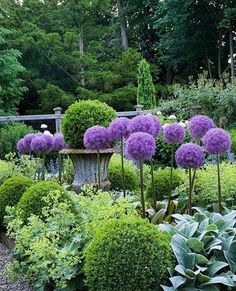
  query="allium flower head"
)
[
  {"x": 190, "y": 155},
  {"x": 28, "y": 139},
  {"x": 217, "y": 141},
  {"x": 199, "y": 125},
  {"x": 145, "y": 123},
  {"x": 21, "y": 146},
  {"x": 41, "y": 144},
  {"x": 140, "y": 146},
  {"x": 58, "y": 142},
  {"x": 174, "y": 133},
  {"x": 96, "y": 138},
  {"x": 118, "y": 129}
]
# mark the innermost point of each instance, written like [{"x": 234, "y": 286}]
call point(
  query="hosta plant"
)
[{"x": 205, "y": 249}]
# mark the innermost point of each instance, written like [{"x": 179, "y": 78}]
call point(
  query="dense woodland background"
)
[{"x": 53, "y": 52}]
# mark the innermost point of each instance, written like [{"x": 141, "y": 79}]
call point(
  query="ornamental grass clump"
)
[
  {"x": 190, "y": 156},
  {"x": 173, "y": 134},
  {"x": 217, "y": 142},
  {"x": 97, "y": 138},
  {"x": 118, "y": 131},
  {"x": 199, "y": 125},
  {"x": 141, "y": 146}
]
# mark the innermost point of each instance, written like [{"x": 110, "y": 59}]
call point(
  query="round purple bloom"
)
[
  {"x": 58, "y": 142},
  {"x": 118, "y": 129},
  {"x": 190, "y": 155},
  {"x": 140, "y": 146},
  {"x": 199, "y": 125},
  {"x": 28, "y": 139},
  {"x": 96, "y": 138},
  {"x": 41, "y": 144},
  {"x": 21, "y": 147},
  {"x": 157, "y": 126},
  {"x": 217, "y": 141},
  {"x": 144, "y": 123},
  {"x": 173, "y": 133}
]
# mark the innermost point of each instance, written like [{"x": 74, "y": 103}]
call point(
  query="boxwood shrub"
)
[
  {"x": 82, "y": 115},
  {"x": 127, "y": 254},
  {"x": 11, "y": 191}
]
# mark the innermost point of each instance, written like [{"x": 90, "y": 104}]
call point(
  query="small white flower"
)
[
  {"x": 158, "y": 113},
  {"x": 47, "y": 132},
  {"x": 165, "y": 125},
  {"x": 181, "y": 123},
  {"x": 186, "y": 122},
  {"x": 43, "y": 126},
  {"x": 172, "y": 117}
]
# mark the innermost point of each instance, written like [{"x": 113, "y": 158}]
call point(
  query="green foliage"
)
[
  {"x": 115, "y": 174},
  {"x": 11, "y": 191},
  {"x": 146, "y": 91},
  {"x": 52, "y": 96},
  {"x": 11, "y": 89},
  {"x": 6, "y": 171},
  {"x": 10, "y": 134},
  {"x": 205, "y": 249},
  {"x": 82, "y": 115},
  {"x": 127, "y": 254},
  {"x": 95, "y": 209},
  {"x": 232, "y": 133},
  {"x": 162, "y": 183},
  {"x": 206, "y": 188},
  {"x": 32, "y": 200},
  {"x": 48, "y": 251}
]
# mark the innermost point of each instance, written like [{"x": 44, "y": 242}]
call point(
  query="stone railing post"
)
[
  {"x": 58, "y": 110},
  {"x": 139, "y": 109}
]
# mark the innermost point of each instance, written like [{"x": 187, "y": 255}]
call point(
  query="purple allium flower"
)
[
  {"x": 118, "y": 129},
  {"x": 217, "y": 141},
  {"x": 41, "y": 144},
  {"x": 199, "y": 125},
  {"x": 140, "y": 146},
  {"x": 28, "y": 139},
  {"x": 174, "y": 133},
  {"x": 96, "y": 138},
  {"x": 58, "y": 142},
  {"x": 190, "y": 155},
  {"x": 157, "y": 126},
  {"x": 143, "y": 123},
  {"x": 21, "y": 147}
]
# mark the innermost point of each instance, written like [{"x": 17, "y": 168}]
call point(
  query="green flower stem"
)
[
  {"x": 122, "y": 166},
  {"x": 142, "y": 189},
  {"x": 153, "y": 190},
  {"x": 60, "y": 167},
  {"x": 219, "y": 184},
  {"x": 43, "y": 167},
  {"x": 171, "y": 177},
  {"x": 99, "y": 169},
  {"x": 193, "y": 178},
  {"x": 190, "y": 193}
]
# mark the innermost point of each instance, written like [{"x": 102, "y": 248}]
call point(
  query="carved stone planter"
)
[{"x": 85, "y": 167}]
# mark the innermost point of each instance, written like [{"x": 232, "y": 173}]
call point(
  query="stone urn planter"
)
[{"x": 85, "y": 167}]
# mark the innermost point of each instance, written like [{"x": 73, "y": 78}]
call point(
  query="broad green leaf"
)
[
  {"x": 230, "y": 255},
  {"x": 203, "y": 278},
  {"x": 177, "y": 281},
  {"x": 195, "y": 244},
  {"x": 215, "y": 267},
  {"x": 222, "y": 279},
  {"x": 166, "y": 288},
  {"x": 201, "y": 260}
]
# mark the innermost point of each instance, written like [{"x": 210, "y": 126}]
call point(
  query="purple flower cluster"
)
[
  {"x": 199, "y": 125},
  {"x": 58, "y": 142},
  {"x": 140, "y": 146},
  {"x": 21, "y": 147},
  {"x": 118, "y": 129},
  {"x": 41, "y": 144},
  {"x": 145, "y": 123},
  {"x": 190, "y": 155},
  {"x": 217, "y": 141},
  {"x": 27, "y": 140},
  {"x": 173, "y": 133},
  {"x": 96, "y": 138}
]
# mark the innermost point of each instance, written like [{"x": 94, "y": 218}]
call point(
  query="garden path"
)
[{"x": 6, "y": 284}]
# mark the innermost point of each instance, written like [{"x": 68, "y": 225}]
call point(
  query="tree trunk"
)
[
  {"x": 231, "y": 46},
  {"x": 81, "y": 50},
  {"x": 123, "y": 28}
]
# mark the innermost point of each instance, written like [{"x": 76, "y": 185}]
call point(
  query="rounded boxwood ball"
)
[
  {"x": 31, "y": 201},
  {"x": 127, "y": 254},
  {"x": 162, "y": 183},
  {"x": 82, "y": 115},
  {"x": 11, "y": 191}
]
